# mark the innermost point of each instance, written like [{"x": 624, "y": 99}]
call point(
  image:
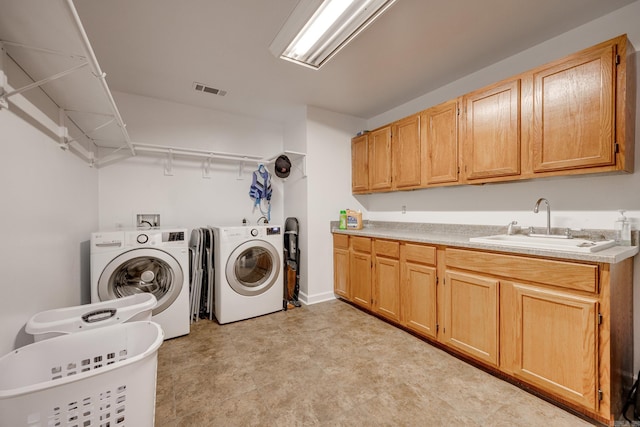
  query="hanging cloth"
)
[{"x": 261, "y": 190}]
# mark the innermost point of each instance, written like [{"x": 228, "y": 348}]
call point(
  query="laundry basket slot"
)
[
  {"x": 102, "y": 377},
  {"x": 52, "y": 323}
]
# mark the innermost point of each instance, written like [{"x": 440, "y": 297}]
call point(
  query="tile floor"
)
[{"x": 330, "y": 364}]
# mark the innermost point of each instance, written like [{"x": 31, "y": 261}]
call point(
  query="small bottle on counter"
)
[
  {"x": 622, "y": 229},
  {"x": 343, "y": 220}
]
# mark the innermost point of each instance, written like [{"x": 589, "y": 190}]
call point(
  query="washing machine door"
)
[
  {"x": 142, "y": 270},
  {"x": 253, "y": 267}
]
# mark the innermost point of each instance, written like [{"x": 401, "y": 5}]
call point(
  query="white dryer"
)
[
  {"x": 248, "y": 272},
  {"x": 125, "y": 263}
]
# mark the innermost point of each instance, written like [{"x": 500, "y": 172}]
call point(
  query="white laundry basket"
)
[
  {"x": 52, "y": 323},
  {"x": 102, "y": 377}
]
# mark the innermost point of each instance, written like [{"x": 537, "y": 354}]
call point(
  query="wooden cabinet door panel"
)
[
  {"x": 387, "y": 288},
  {"x": 380, "y": 159},
  {"x": 492, "y": 131},
  {"x": 360, "y": 164},
  {"x": 341, "y": 272},
  {"x": 439, "y": 135},
  {"x": 556, "y": 343},
  {"x": 406, "y": 152},
  {"x": 471, "y": 315},
  {"x": 419, "y": 298},
  {"x": 360, "y": 278},
  {"x": 574, "y": 112}
]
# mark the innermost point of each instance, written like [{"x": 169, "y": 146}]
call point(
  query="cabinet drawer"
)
[
  {"x": 419, "y": 253},
  {"x": 361, "y": 244},
  {"x": 341, "y": 241},
  {"x": 581, "y": 277},
  {"x": 386, "y": 248}
]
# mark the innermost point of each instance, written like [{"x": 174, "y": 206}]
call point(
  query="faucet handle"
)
[{"x": 510, "y": 227}]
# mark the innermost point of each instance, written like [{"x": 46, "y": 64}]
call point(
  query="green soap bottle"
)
[{"x": 343, "y": 220}]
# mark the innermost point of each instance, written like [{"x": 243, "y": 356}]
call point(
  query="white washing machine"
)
[
  {"x": 127, "y": 262},
  {"x": 248, "y": 272}
]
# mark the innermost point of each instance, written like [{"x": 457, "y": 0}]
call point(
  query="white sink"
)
[{"x": 551, "y": 243}]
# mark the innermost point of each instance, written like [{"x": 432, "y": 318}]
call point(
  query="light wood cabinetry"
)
[
  {"x": 556, "y": 349},
  {"x": 572, "y": 116},
  {"x": 491, "y": 132},
  {"x": 360, "y": 270},
  {"x": 360, "y": 164},
  {"x": 386, "y": 282},
  {"x": 471, "y": 315},
  {"x": 574, "y": 107},
  {"x": 380, "y": 159},
  {"x": 405, "y": 141},
  {"x": 439, "y": 137},
  {"x": 563, "y": 328},
  {"x": 418, "y": 288},
  {"x": 341, "y": 266}
]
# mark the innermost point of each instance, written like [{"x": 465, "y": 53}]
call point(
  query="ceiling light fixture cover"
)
[{"x": 317, "y": 29}]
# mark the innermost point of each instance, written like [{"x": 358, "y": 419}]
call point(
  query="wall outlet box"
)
[{"x": 147, "y": 220}]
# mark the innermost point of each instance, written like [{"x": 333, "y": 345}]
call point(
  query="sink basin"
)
[{"x": 551, "y": 243}]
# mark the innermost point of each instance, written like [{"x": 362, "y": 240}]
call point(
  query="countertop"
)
[{"x": 457, "y": 235}]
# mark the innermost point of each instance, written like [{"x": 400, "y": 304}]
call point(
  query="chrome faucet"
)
[{"x": 537, "y": 206}]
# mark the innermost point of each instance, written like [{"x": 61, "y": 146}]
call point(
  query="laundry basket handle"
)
[{"x": 99, "y": 315}]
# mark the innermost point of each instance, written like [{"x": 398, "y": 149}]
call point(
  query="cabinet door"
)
[
  {"x": 574, "y": 112},
  {"x": 360, "y": 164},
  {"x": 360, "y": 278},
  {"x": 439, "y": 136},
  {"x": 380, "y": 159},
  {"x": 492, "y": 131},
  {"x": 386, "y": 301},
  {"x": 556, "y": 343},
  {"x": 419, "y": 298},
  {"x": 341, "y": 273},
  {"x": 406, "y": 152},
  {"x": 471, "y": 315}
]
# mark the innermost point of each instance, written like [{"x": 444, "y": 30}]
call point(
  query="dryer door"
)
[
  {"x": 253, "y": 267},
  {"x": 142, "y": 270}
]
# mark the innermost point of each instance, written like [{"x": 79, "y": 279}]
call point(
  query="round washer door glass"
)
[
  {"x": 253, "y": 267},
  {"x": 142, "y": 270}
]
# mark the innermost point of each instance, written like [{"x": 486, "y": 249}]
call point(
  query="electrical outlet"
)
[{"x": 404, "y": 209}]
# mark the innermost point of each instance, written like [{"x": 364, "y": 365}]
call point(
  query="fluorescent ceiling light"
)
[{"x": 317, "y": 29}]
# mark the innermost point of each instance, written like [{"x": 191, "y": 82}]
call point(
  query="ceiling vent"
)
[{"x": 208, "y": 89}]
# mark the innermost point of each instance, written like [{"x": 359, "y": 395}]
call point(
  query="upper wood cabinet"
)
[
  {"x": 572, "y": 116},
  {"x": 360, "y": 164},
  {"x": 491, "y": 131},
  {"x": 574, "y": 104},
  {"x": 439, "y": 137},
  {"x": 380, "y": 159},
  {"x": 405, "y": 141}
]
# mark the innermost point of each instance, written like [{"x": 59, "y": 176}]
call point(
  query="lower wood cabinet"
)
[
  {"x": 418, "y": 288},
  {"x": 360, "y": 270},
  {"x": 386, "y": 281},
  {"x": 471, "y": 315},
  {"x": 341, "y": 266},
  {"x": 557, "y": 347},
  {"x": 562, "y": 328}
]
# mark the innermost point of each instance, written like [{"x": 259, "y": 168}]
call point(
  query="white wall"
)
[
  {"x": 49, "y": 208},
  {"x": 577, "y": 201},
  {"x": 186, "y": 199},
  {"x": 329, "y": 185}
]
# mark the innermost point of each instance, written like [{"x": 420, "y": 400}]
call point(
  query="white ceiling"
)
[{"x": 158, "y": 48}]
